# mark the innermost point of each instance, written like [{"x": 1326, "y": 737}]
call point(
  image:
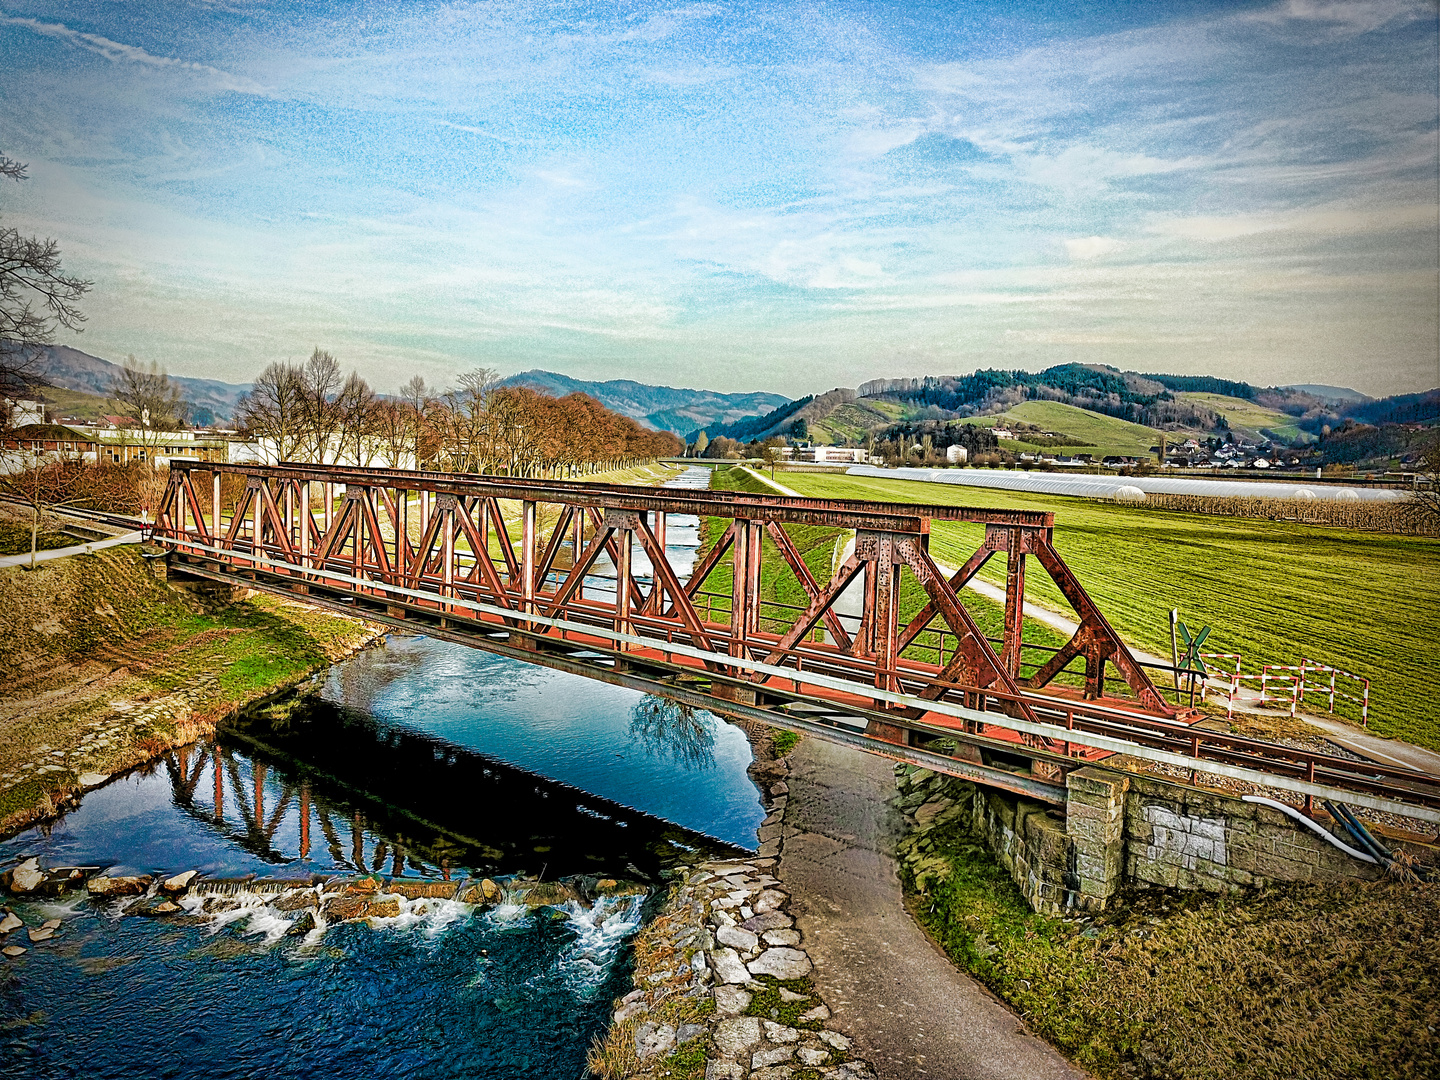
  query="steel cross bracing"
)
[{"x": 546, "y": 571}]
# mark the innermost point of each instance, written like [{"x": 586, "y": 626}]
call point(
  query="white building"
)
[
  {"x": 956, "y": 455},
  {"x": 24, "y": 412},
  {"x": 848, "y": 455}
]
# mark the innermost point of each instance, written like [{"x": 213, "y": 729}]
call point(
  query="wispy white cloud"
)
[{"x": 119, "y": 52}]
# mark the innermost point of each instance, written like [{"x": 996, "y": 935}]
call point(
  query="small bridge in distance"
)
[{"x": 510, "y": 566}]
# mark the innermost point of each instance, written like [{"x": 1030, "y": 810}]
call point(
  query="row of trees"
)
[{"x": 310, "y": 412}]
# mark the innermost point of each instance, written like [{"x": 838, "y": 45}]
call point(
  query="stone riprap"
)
[{"x": 722, "y": 983}]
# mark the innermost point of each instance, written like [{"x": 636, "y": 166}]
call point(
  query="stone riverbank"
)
[{"x": 723, "y": 986}]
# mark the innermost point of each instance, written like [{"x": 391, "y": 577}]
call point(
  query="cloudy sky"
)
[{"x": 739, "y": 195}]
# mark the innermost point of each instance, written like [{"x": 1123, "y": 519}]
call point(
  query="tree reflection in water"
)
[{"x": 683, "y": 732}]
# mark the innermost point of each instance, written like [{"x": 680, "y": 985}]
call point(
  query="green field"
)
[
  {"x": 1247, "y": 418},
  {"x": 1276, "y": 592},
  {"x": 1103, "y": 435}
]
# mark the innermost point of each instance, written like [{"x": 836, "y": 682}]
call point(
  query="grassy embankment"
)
[
  {"x": 1276, "y": 592},
  {"x": 1326, "y": 981},
  {"x": 105, "y": 667}
]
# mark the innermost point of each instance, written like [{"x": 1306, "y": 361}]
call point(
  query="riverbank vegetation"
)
[
  {"x": 1322, "y": 981},
  {"x": 108, "y": 666},
  {"x": 1276, "y": 592}
]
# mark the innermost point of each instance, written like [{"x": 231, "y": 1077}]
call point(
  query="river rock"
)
[
  {"x": 686, "y": 1032},
  {"x": 769, "y": 900},
  {"x": 652, "y": 1040},
  {"x": 549, "y": 894},
  {"x": 386, "y": 907},
  {"x": 782, "y": 963},
  {"x": 770, "y": 920},
  {"x": 153, "y": 908},
  {"x": 301, "y": 926},
  {"x": 736, "y": 1035},
  {"x": 737, "y": 938},
  {"x": 294, "y": 900},
  {"x": 50, "y": 924},
  {"x": 772, "y": 1056},
  {"x": 13, "y": 951},
  {"x": 10, "y": 922},
  {"x": 835, "y": 1040},
  {"x": 727, "y": 966},
  {"x": 89, "y": 780},
  {"x": 779, "y": 1033},
  {"x": 426, "y": 890},
  {"x": 815, "y": 1015},
  {"x": 781, "y": 937},
  {"x": 42, "y": 933},
  {"x": 731, "y": 1000},
  {"x": 177, "y": 885},
  {"x": 341, "y": 908},
  {"x": 107, "y": 887},
  {"x": 27, "y": 877}
]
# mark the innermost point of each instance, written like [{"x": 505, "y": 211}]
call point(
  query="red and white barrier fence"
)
[
  {"x": 1232, "y": 678},
  {"x": 1356, "y": 689}
]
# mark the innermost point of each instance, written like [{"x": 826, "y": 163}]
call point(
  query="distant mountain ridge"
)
[
  {"x": 663, "y": 408},
  {"x": 71, "y": 369}
]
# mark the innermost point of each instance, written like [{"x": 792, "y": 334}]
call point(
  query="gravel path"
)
[{"x": 911, "y": 1013}]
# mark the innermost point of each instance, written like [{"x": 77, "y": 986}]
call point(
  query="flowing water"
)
[{"x": 418, "y": 760}]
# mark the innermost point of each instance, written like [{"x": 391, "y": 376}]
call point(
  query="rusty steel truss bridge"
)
[{"x": 576, "y": 577}]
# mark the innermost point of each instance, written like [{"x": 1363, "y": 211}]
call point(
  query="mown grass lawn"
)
[{"x": 1276, "y": 592}]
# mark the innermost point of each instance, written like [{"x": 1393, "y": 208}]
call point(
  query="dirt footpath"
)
[{"x": 911, "y": 1013}]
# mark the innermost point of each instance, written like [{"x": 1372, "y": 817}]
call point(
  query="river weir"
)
[{"x": 384, "y": 879}]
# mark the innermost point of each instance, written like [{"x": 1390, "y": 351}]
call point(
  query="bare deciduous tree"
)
[
  {"x": 274, "y": 413},
  {"x": 320, "y": 381},
  {"x": 355, "y": 415},
  {"x": 147, "y": 393},
  {"x": 1425, "y": 501},
  {"x": 35, "y": 297}
]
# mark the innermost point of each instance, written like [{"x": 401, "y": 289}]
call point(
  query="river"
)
[{"x": 417, "y": 759}]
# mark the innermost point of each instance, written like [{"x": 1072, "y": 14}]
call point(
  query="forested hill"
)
[{"x": 663, "y": 408}]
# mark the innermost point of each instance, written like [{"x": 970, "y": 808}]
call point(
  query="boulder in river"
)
[
  {"x": 548, "y": 893},
  {"x": 10, "y": 922},
  {"x": 177, "y": 885},
  {"x": 295, "y": 900},
  {"x": 13, "y": 951},
  {"x": 384, "y": 907},
  {"x": 26, "y": 878},
  {"x": 301, "y": 926},
  {"x": 39, "y": 934},
  {"x": 340, "y": 908},
  {"x": 107, "y": 887},
  {"x": 427, "y": 890}
]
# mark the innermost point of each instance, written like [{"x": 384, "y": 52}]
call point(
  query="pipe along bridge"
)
[{"x": 576, "y": 576}]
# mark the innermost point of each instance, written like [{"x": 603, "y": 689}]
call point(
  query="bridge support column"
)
[{"x": 1095, "y": 825}]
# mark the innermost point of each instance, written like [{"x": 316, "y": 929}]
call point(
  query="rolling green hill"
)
[
  {"x": 1102, "y": 434},
  {"x": 1249, "y": 419}
]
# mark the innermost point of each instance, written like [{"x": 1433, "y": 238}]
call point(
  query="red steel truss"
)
[{"x": 576, "y": 576}]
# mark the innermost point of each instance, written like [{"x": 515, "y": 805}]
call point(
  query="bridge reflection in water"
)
[{"x": 337, "y": 790}]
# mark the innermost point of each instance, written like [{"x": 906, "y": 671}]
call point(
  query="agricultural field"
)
[
  {"x": 1276, "y": 592},
  {"x": 62, "y": 402},
  {"x": 1249, "y": 419},
  {"x": 1102, "y": 434},
  {"x": 850, "y": 423}
]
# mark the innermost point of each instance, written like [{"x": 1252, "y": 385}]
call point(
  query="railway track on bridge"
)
[{"x": 435, "y": 552}]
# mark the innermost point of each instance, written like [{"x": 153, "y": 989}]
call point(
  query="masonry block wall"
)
[
  {"x": 1180, "y": 838},
  {"x": 1120, "y": 830},
  {"x": 1029, "y": 843}
]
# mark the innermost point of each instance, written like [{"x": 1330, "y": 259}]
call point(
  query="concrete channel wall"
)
[{"x": 1118, "y": 831}]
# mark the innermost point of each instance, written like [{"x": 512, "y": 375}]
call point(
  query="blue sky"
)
[{"x": 740, "y": 196}]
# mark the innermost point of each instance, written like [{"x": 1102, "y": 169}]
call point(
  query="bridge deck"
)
[{"x": 436, "y": 551}]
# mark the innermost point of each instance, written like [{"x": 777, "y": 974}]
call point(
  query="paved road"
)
[{"x": 912, "y": 1014}]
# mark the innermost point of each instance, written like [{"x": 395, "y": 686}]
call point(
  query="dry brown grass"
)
[{"x": 1324, "y": 981}]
